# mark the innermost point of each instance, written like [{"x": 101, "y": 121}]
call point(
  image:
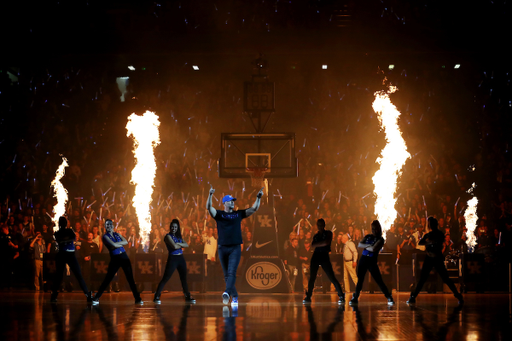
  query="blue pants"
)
[{"x": 229, "y": 256}]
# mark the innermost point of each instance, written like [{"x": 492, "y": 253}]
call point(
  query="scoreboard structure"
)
[
  {"x": 259, "y": 154},
  {"x": 259, "y": 95}
]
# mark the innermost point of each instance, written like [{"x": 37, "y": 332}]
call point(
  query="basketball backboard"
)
[{"x": 241, "y": 153}]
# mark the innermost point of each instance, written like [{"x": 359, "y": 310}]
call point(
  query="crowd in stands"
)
[{"x": 77, "y": 112}]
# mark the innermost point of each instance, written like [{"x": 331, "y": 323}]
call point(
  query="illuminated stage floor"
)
[{"x": 30, "y": 316}]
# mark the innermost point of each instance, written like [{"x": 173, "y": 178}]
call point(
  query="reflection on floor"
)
[{"x": 30, "y": 316}]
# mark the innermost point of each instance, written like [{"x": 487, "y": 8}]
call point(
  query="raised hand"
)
[
  {"x": 260, "y": 193},
  {"x": 212, "y": 190}
]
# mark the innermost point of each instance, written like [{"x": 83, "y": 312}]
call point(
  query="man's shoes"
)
[
  {"x": 157, "y": 300},
  {"x": 89, "y": 297},
  {"x": 234, "y": 302},
  {"x": 354, "y": 300},
  {"x": 411, "y": 300},
  {"x": 225, "y": 298},
  {"x": 189, "y": 299},
  {"x": 390, "y": 300},
  {"x": 341, "y": 299},
  {"x": 95, "y": 301},
  {"x": 139, "y": 301},
  {"x": 460, "y": 299}
]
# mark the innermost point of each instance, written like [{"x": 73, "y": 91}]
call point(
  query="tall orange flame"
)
[
  {"x": 60, "y": 192},
  {"x": 144, "y": 131},
  {"x": 471, "y": 219},
  {"x": 391, "y": 161}
]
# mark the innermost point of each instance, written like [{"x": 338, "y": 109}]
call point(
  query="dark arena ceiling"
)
[{"x": 43, "y": 30}]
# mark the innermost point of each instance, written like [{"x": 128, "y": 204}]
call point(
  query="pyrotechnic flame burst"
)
[
  {"x": 144, "y": 131},
  {"x": 60, "y": 193},
  {"x": 392, "y": 159},
  {"x": 471, "y": 219}
]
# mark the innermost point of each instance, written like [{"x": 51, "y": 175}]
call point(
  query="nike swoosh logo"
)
[{"x": 258, "y": 245}]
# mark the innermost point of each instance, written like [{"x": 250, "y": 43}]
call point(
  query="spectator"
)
[
  {"x": 81, "y": 235},
  {"x": 38, "y": 249},
  {"x": 417, "y": 237},
  {"x": 88, "y": 249},
  {"x": 133, "y": 242},
  {"x": 196, "y": 245},
  {"x": 351, "y": 229},
  {"x": 339, "y": 245},
  {"x": 305, "y": 256},
  {"x": 442, "y": 227},
  {"x": 47, "y": 237},
  {"x": 391, "y": 240},
  {"x": 447, "y": 245},
  {"x": 288, "y": 242},
  {"x": 210, "y": 249},
  {"x": 495, "y": 238},
  {"x": 210, "y": 246},
  {"x": 483, "y": 240},
  {"x": 406, "y": 245},
  {"x": 246, "y": 246},
  {"x": 156, "y": 241},
  {"x": 350, "y": 257},
  {"x": 96, "y": 235},
  {"x": 292, "y": 262},
  {"x": 357, "y": 236}
]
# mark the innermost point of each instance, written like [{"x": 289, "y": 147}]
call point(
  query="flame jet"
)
[
  {"x": 60, "y": 192},
  {"x": 471, "y": 218},
  {"x": 145, "y": 134},
  {"x": 391, "y": 161}
]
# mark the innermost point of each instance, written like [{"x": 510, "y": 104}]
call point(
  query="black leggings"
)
[
  {"x": 322, "y": 259},
  {"x": 61, "y": 259},
  {"x": 174, "y": 262},
  {"x": 369, "y": 264},
  {"x": 119, "y": 261},
  {"x": 438, "y": 263}
]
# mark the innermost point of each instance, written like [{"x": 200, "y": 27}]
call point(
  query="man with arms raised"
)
[{"x": 229, "y": 228}]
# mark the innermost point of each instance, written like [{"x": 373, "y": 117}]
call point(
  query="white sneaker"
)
[
  {"x": 234, "y": 302},
  {"x": 225, "y": 298}
]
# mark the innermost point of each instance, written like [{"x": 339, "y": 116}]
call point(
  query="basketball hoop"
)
[{"x": 257, "y": 175}]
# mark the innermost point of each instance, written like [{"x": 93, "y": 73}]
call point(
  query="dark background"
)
[{"x": 162, "y": 39}]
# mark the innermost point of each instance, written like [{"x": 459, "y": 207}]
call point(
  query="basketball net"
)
[{"x": 258, "y": 176}]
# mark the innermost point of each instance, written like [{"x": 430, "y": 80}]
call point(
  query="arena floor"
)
[{"x": 30, "y": 316}]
